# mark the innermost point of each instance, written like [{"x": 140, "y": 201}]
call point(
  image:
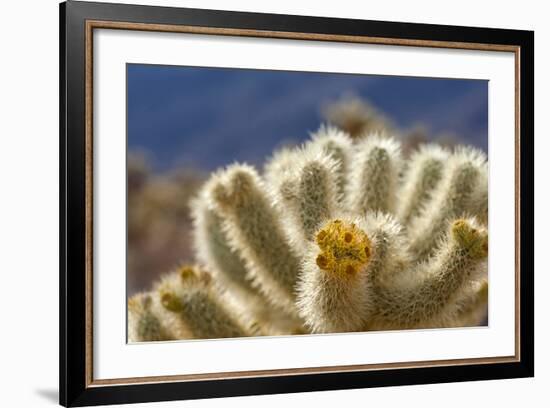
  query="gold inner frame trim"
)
[{"x": 98, "y": 24}]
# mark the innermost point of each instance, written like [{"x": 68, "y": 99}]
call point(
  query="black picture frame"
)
[{"x": 76, "y": 386}]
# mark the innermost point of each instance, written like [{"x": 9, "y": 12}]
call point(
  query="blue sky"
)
[{"x": 209, "y": 117}]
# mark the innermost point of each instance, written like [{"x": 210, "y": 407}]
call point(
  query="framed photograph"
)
[{"x": 257, "y": 204}]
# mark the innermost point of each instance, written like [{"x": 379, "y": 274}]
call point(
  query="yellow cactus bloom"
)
[
  {"x": 473, "y": 240},
  {"x": 170, "y": 301},
  {"x": 187, "y": 272},
  {"x": 345, "y": 248}
]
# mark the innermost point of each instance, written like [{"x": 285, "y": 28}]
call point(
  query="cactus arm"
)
[
  {"x": 424, "y": 172},
  {"x": 230, "y": 272},
  {"x": 143, "y": 323},
  {"x": 205, "y": 317},
  {"x": 428, "y": 299},
  {"x": 282, "y": 161},
  {"x": 253, "y": 228},
  {"x": 373, "y": 184},
  {"x": 339, "y": 282},
  {"x": 390, "y": 259},
  {"x": 316, "y": 190},
  {"x": 452, "y": 199},
  {"x": 333, "y": 294},
  {"x": 306, "y": 195},
  {"x": 338, "y": 146},
  {"x": 213, "y": 250},
  {"x": 192, "y": 303}
]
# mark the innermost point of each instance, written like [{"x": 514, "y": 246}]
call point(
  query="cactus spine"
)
[{"x": 337, "y": 235}]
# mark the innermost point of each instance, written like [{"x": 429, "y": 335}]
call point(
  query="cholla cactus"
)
[{"x": 336, "y": 235}]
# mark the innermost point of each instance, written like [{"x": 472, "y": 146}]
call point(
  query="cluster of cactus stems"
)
[{"x": 340, "y": 234}]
